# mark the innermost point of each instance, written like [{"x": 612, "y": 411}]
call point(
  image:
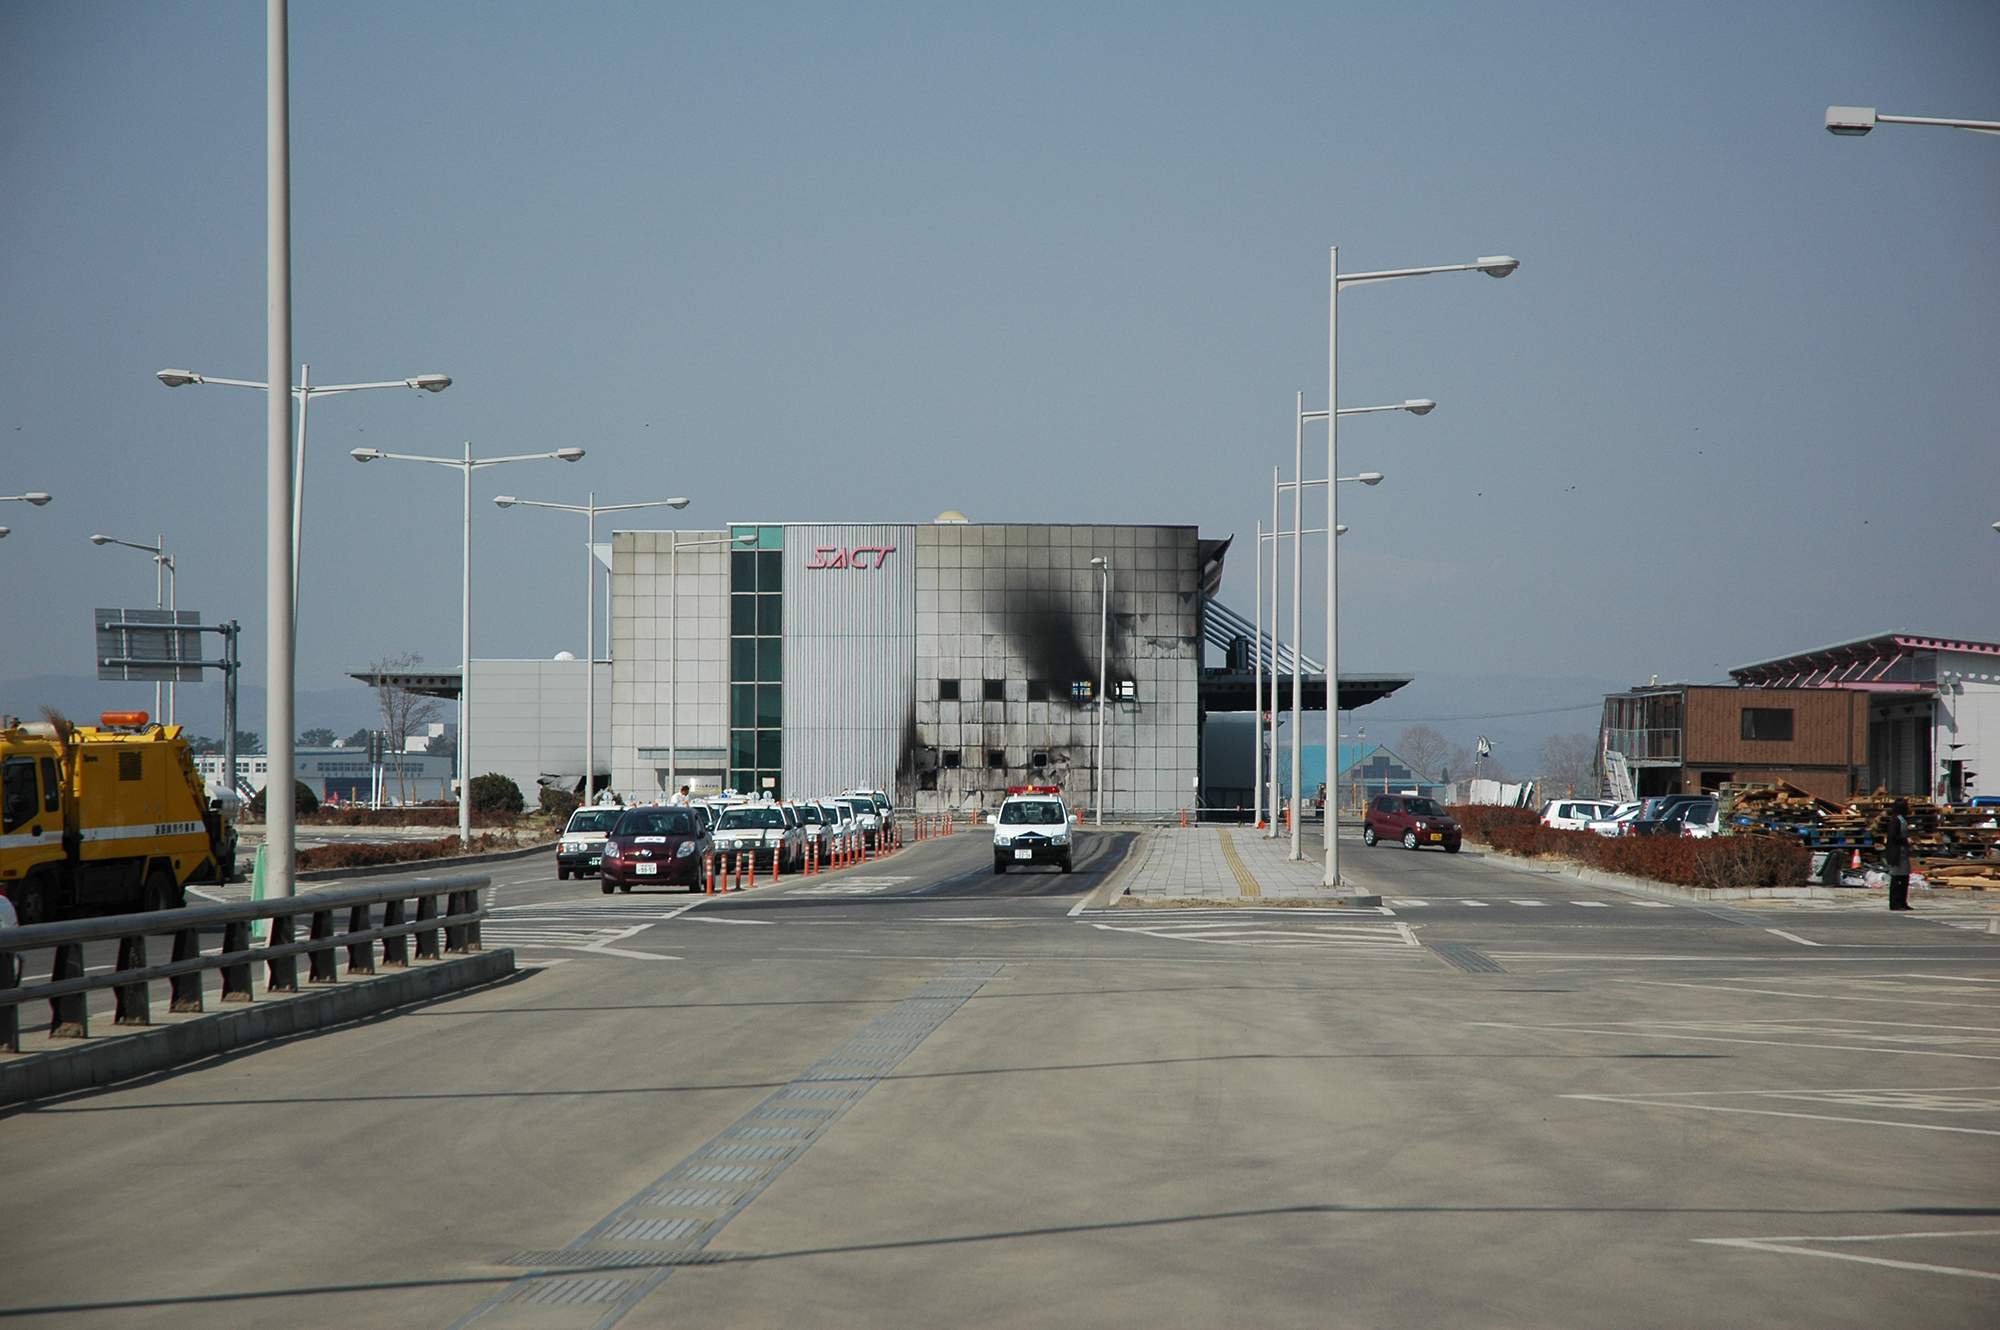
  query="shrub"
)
[
  {"x": 559, "y": 804},
  {"x": 495, "y": 793},
  {"x": 304, "y": 801},
  {"x": 395, "y": 852},
  {"x": 1722, "y": 861}
]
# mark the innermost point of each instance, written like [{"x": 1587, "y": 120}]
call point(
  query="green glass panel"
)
[
  {"x": 768, "y": 743},
  {"x": 770, "y": 706},
  {"x": 743, "y": 614},
  {"x": 770, "y": 538},
  {"x": 742, "y": 781},
  {"x": 743, "y": 706},
  {"x": 770, "y": 570},
  {"x": 770, "y": 615},
  {"x": 743, "y": 748},
  {"x": 742, "y": 570},
  {"x": 770, "y": 658},
  {"x": 743, "y": 658}
]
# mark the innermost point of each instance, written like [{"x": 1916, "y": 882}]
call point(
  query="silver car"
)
[{"x": 761, "y": 830}]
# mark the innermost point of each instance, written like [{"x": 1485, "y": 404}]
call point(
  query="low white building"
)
[{"x": 345, "y": 774}]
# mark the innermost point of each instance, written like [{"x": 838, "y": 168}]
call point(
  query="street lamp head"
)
[
  {"x": 4, "y": 531},
  {"x": 1100, "y": 563},
  {"x": 430, "y": 383},
  {"x": 366, "y": 454},
  {"x": 1996, "y": 526},
  {"x": 1370, "y": 477},
  {"x": 746, "y": 538},
  {"x": 677, "y": 503},
  {"x": 1340, "y": 530},
  {"x": 505, "y": 501},
  {"x": 100, "y": 540},
  {"x": 1499, "y": 265},
  {"x": 177, "y": 378},
  {"x": 570, "y": 454},
  {"x": 38, "y": 498},
  {"x": 1850, "y": 121},
  {"x": 1420, "y": 406}
]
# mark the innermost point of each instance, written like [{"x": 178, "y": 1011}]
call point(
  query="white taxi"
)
[{"x": 1032, "y": 827}]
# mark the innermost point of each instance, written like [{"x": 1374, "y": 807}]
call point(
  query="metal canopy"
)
[
  {"x": 431, "y": 683},
  {"x": 1223, "y": 690}
]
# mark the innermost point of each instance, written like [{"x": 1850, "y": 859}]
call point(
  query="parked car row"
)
[
  {"x": 662, "y": 844},
  {"x": 1660, "y": 815}
]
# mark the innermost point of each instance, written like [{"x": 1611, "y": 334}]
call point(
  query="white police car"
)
[{"x": 1032, "y": 827}]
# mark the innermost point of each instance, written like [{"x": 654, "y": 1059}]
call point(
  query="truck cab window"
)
[
  {"x": 19, "y": 799},
  {"x": 51, "y": 787}
]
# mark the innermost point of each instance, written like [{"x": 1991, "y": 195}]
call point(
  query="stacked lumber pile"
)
[
  {"x": 1771, "y": 810},
  {"x": 1945, "y": 832},
  {"x": 1961, "y": 874}
]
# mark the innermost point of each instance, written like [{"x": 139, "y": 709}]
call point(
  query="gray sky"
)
[{"x": 1061, "y": 263}]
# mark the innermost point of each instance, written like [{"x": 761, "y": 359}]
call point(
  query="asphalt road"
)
[{"x": 916, "y": 1094}]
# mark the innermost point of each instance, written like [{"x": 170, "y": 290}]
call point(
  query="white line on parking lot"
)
[
  {"x": 1794, "y": 937},
  {"x": 1787, "y": 1247},
  {"x": 1635, "y": 1101}
]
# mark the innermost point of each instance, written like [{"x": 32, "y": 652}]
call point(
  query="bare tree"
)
[
  {"x": 1569, "y": 763},
  {"x": 1425, "y": 749},
  {"x": 404, "y": 713}
]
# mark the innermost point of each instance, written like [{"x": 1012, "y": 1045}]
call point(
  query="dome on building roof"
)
[{"x": 951, "y": 515}]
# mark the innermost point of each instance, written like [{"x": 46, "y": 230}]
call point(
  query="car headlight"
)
[
  {"x": 1003, "y": 838},
  {"x": 1423, "y": 826},
  {"x": 686, "y": 849}
]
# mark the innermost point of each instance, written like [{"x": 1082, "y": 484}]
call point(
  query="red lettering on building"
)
[{"x": 827, "y": 556}]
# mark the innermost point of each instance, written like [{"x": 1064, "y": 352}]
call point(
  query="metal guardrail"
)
[{"x": 68, "y": 987}]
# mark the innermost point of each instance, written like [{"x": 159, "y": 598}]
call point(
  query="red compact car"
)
[
  {"x": 1414, "y": 821},
  {"x": 651, "y": 847}
]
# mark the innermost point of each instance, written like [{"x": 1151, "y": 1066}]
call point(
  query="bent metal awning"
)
[
  {"x": 427, "y": 683},
  {"x": 1226, "y": 690}
]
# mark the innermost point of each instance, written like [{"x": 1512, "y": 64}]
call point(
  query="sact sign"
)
[{"x": 827, "y": 556}]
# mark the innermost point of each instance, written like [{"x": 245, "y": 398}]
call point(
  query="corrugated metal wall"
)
[{"x": 850, "y": 656}]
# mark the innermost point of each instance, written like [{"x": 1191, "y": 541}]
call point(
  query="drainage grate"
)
[
  {"x": 746, "y": 1151},
  {"x": 651, "y": 1230},
  {"x": 821, "y": 1092},
  {"x": 771, "y": 1133},
  {"x": 690, "y": 1196},
  {"x": 559, "y": 1291},
  {"x": 612, "y": 1260},
  {"x": 1465, "y": 958},
  {"x": 722, "y": 1174},
  {"x": 790, "y": 1113}
]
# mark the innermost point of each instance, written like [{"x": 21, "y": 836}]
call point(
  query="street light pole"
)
[
  {"x": 1495, "y": 266},
  {"x": 590, "y": 509},
  {"x": 466, "y": 466},
  {"x": 1098, "y": 784},
  {"x": 1854, "y": 121},
  {"x": 280, "y": 664}
]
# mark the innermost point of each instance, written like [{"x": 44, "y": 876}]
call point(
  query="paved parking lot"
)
[{"x": 922, "y": 1095}]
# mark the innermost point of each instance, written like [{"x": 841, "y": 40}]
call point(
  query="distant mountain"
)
[
  {"x": 81, "y": 698},
  {"x": 1515, "y": 711}
]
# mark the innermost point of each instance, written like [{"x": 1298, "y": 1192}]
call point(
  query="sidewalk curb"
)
[
  {"x": 121, "y": 1057},
  {"x": 1114, "y": 886}
]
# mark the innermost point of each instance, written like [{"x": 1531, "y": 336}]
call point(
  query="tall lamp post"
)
[
  {"x": 1498, "y": 265},
  {"x": 166, "y": 596},
  {"x": 303, "y": 394},
  {"x": 466, "y": 466},
  {"x": 1298, "y": 666},
  {"x": 1854, "y": 121},
  {"x": 590, "y": 508},
  {"x": 1267, "y": 776},
  {"x": 37, "y": 499},
  {"x": 1103, "y": 566}
]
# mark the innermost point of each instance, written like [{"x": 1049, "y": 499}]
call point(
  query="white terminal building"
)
[{"x": 943, "y": 662}]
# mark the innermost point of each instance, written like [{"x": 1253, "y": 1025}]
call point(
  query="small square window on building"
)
[
  {"x": 947, "y": 690},
  {"x": 1038, "y": 690},
  {"x": 996, "y": 759},
  {"x": 996, "y": 690},
  {"x": 1082, "y": 690},
  {"x": 1125, "y": 690},
  {"x": 1774, "y": 723},
  {"x": 953, "y": 759}
]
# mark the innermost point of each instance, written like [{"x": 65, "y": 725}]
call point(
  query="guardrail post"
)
[
  {"x": 472, "y": 938},
  {"x": 69, "y": 1018},
  {"x": 360, "y": 955},
  {"x": 454, "y": 934},
  {"x": 323, "y": 969},
  {"x": 132, "y": 1004},
  {"x": 236, "y": 978},
  {"x": 427, "y": 940},
  {"x": 186, "y": 987},
  {"x": 10, "y": 1015},
  {"x": 395, "y": 950},
  {"x": 282, "y": 972}
]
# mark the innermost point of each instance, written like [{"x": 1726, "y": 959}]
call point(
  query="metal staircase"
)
[{"x": 1222, "y": 626}]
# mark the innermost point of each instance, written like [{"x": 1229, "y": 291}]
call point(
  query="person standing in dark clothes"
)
[{"x": 1896, "y": 853}]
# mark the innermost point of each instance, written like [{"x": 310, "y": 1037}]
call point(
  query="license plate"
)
[
  {"x": 1435, "y": 835},
  {"x": 646, "y": 870},
  {"x": 1024, "y": 854}
]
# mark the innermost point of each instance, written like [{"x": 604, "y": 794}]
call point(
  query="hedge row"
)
[
  {"x": 1722, "y": 861},
  {"x": 396, "y": 852}
]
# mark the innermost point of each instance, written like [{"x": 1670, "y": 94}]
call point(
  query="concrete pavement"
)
[{"x": 1496, "y": 1101}]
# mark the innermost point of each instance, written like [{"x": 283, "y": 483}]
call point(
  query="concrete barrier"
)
[{"x": 112, "y": 1058}]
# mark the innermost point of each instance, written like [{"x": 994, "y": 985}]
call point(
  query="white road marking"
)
[
  {"x": 1653, "y": 905},
  {"x": 1481, "y": 904},
  {"x": 851, "y": 886},
  {"x": 1527, "y": 902},
  {"x": 1794, "y": 937},
  {"x": 1593, "y": 905},
  {"x": 711, "y": 919},
  {"x": 1641, "y": 1101},
  {"x": 1788, "y": 1247},
  {"x": 1726, "y": 1032},
  {"x": 1408, "y": 905},
  {"x": 1394, "y": 936}
]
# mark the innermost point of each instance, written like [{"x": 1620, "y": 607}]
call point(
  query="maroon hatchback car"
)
[
  {"x": 654, "y": 846},
  {"x": 1414, "y": 821}
]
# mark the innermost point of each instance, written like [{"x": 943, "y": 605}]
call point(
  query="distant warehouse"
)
[{"x": 1912, "y": 715}]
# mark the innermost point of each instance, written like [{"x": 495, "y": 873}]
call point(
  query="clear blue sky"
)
[{"x": 1039, "y": 263}]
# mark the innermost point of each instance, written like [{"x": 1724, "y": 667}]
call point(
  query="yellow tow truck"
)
[{"x": 105, "y": 819}]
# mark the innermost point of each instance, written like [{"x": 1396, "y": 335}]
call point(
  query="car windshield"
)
[
  {"x": 881, "y": 803},
  {"x": 859, "y": 806},
  {"x": 810, "y": 813},
  {"x": 733, "y": 818},
  {"x": 1423, "y": 807},
  {"x": 655, "y": 822},
  {"x": 1035, "y": 812},
  {"x": 594, "y": 819}
]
